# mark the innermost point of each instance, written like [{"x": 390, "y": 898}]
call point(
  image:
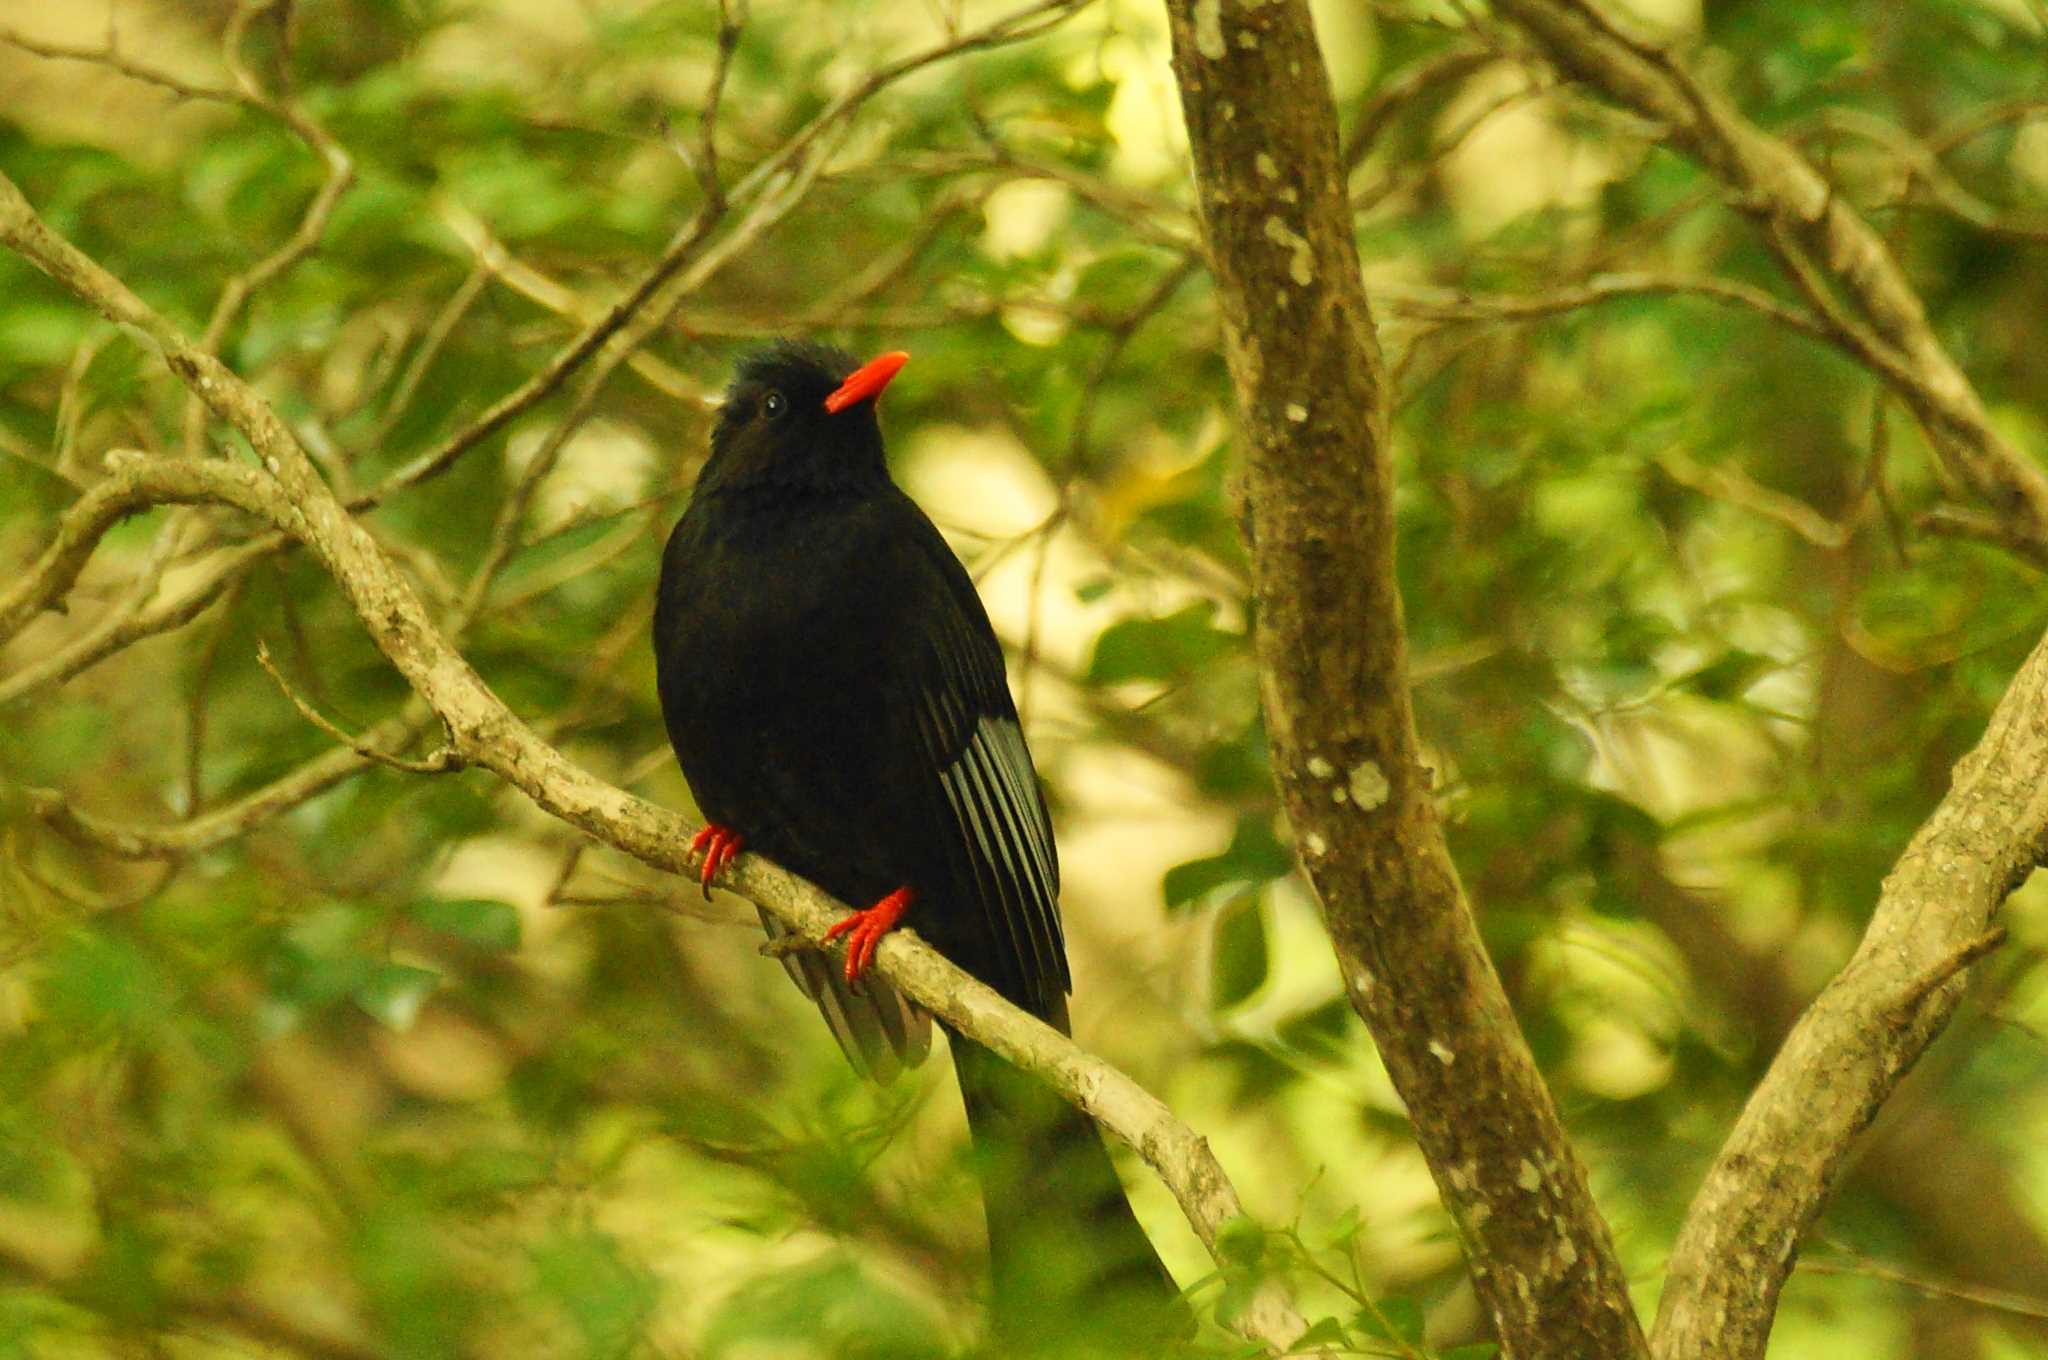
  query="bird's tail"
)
[{"x": 1074, "y": 1274}]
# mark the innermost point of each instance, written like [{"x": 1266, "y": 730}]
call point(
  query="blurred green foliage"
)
[{"x": 402, "y": 1071}]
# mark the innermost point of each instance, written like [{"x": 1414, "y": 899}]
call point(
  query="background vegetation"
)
[{"x": 363, "y": 1061}]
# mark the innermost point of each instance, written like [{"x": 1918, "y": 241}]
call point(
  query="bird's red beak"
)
[{"x": 867, "y": 381}]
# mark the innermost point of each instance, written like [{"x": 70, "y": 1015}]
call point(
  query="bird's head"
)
[{"x": 801, "y": 415}]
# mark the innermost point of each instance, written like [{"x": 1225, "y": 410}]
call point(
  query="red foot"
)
[
  {"x": 864, "y": 931},
  {"x": 718, "y": 844}
]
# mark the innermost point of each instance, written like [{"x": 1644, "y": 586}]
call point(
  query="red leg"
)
[
  {"x": 864, "y": 931},
  {"x": 718, "y": 844}
]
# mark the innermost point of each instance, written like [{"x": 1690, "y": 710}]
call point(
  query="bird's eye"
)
[{"x": 773, "y": 405}]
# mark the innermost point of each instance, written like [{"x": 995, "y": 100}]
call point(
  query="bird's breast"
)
[{"x": 751, "y": 616}]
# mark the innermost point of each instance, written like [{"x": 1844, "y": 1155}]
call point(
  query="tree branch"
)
[
  {"x": 1312, "y": 401},
  {"x": 137, "y": 618},
  {"x": 773, "y": 180},
  {"x": 779, "y": 181},
  {"x": 230, "y": 821},
  {"x": 133, "y": 484},
  {"x": 312, "y": 225},
  {"x": 440, "y": 762},
  {"x": 1861, "y": 1035},
  {"x": 1442, "y": 304},
  {"x": 1821, "y": 240},
  {"x": 111, "y": 58},
  {"x": 1856, "y": 1041}
]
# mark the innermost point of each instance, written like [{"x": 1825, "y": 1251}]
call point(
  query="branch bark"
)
[
  {"x": 1860, "y": 1037},
  {"x": 1971, "y": 1221},
  {"x": 288, "y": 493},
  {"x": 1843, "y": 265},
  {"x": 1312, "y": 401},
  {"x": 1866, "y": 1029}
]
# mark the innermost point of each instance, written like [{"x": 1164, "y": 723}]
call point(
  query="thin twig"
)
[
  {"x": 1939, "y": 972},
  {"x": 1979, "y": 121},
  {"x": 440, "y": 762},
  {"x": 1442, "y": 304},
  {"x": 1998, "y": 1300},
  {"x": 1731, "y": 484},
  {"x": 110, "y": 58},
  {"x": 191, "y": 784},
  {"x": 432, "y": 343},
  {"x": 792, "y": 161},
  {"x": 732, "y": 18},
  {"x": 121, "y": 627},
  {"x": 312, "y": 224}
]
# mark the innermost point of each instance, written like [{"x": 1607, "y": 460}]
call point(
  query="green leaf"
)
[
  {"x": 1395, "y": 1318},
  {"x": 121, "y": 1280},
  {"x": 1477, "y": 1350},
  {"x": 1327, "y": 1030},
  {"x": 606, "y": 1296},
  {"x": 1233, "y": 769},
  {"x": 321, "y": 957},
  {"x": 98, "y": 979},
  {"x": 38, "y": 335},
  {"x": 1119, "y": 281},
  {"x": 482, "y": 922},
  {"x": 1326, "y": 1332},
  {"x": 828, "y": 1307},
  {"x": 1235, "y": 1298},
  {"x": 1726, "y": 677},
  {"x": 1255, "y": 856},
  {"x": 1237, "y": 952},
  {"x": 394, "y": 992},
  {"x": 1240, "y": 1243},
  {"x": 1159, "y": 649},
  {"x": 413, "y": 1288}
]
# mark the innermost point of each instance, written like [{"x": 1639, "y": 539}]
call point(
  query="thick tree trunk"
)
[{"x": 1312, "y": 403}]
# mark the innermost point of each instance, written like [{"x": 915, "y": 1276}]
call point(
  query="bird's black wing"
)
[{"x": 1000, "y": 847}]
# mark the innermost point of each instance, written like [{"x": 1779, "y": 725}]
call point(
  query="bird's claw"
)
[
  {"x": 864, "y": 931},
  {"x": 718, "y": 845}
]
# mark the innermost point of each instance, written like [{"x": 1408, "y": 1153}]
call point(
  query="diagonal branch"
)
[
  {"x": 1848, "y": 1052},
  {"x": 1861, "y": 1035},
  {"x": 1824, "y": 244},
  {"x": 440, "y": 762},
  {"x": 130, "y": 487},
  {"x": 229, "y": 821}
]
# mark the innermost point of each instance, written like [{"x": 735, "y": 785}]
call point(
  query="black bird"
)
[{"x": 835, "y": 695}]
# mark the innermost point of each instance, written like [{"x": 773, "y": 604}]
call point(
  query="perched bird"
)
[{"x": 835, "y": 695}]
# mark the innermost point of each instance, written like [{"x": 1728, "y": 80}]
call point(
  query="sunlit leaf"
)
[
  {"x": 394, "y": 992},
  {"x": 1159, "y": 649},
  {"x": 1254, "y": 856},
  {"x": 1237, "y": 952}
]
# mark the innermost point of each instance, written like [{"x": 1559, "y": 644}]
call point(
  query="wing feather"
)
[
  {"x": 974, "y": 742},
  {"x": 989, "y": 818},
  {"x": 1013, "y": 809},
  {"x": 981, "y": 866}
]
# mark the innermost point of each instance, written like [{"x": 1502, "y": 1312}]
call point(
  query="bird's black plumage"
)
[{"x": 836, "y": 696}]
